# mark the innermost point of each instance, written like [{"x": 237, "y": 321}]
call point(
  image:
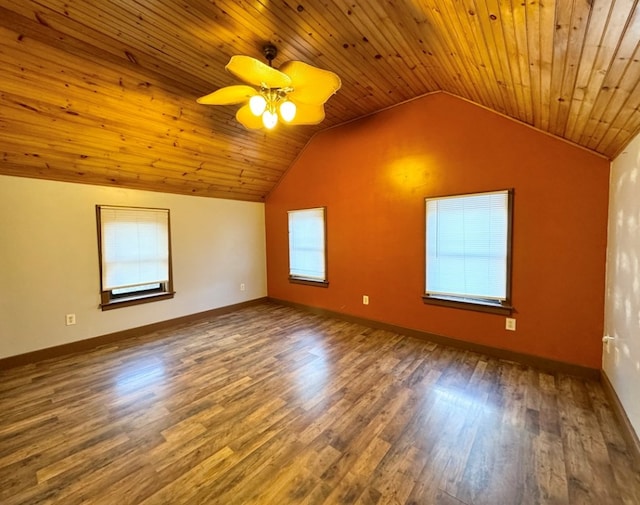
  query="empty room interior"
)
[{"x": 368, "y": 252}]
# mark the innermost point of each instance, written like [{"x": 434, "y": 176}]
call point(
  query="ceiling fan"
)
[{"x": 295, "y": 93}]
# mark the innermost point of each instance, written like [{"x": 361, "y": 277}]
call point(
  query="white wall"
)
[
  {"x": 622, "y": 307},
  {"x": 49, "y": 260}
]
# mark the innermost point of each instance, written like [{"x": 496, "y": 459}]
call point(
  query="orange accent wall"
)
[{"x": 373, "y": 175}]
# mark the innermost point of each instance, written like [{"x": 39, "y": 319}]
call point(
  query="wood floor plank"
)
[{"x": 273, "y": 405}]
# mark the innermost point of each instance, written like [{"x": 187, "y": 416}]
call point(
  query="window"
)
[
  {"x": 135, "y": 255},
  {"x": 307, "y": 246},
  {"x": 468, "y": 251}
]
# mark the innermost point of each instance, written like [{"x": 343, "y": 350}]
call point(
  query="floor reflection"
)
[
  {"x": 314, "y": 377},
  {"x": 142, "y": 374},
  {"x": 456, "y": 397}
]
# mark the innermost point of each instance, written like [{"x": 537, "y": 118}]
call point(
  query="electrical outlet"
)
[
  {"x": 365, "y": 300},
  {"x": 242, "y": 287},
  {"x": 70, "y": 319},
  {"x": 510, "y": 324}
]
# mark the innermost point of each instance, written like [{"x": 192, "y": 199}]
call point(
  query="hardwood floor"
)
[{"x": 271, "y": 405}]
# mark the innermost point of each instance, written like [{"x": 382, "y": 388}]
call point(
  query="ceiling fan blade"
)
[
  {"x": 311, "y": 85},
  {"x": 308, "y": 114},
  {"x": 255, "y": 72},
  {"x": 247, "y": 119},
  {"x": 228, "y": 95}
]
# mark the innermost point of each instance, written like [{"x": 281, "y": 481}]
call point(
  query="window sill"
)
[
  {"x": 505, "y": 310},
  {"x": 309, "y": 282},
  {"x": 117, "y": 303}
]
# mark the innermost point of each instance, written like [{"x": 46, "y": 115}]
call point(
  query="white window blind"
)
[
  {"x": 134, "y": 245},
  {"x": 307, "y": 244},
  {"x": 466, "y": 250}
]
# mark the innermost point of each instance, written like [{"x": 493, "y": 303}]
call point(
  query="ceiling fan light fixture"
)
[
  {"x": 269, "y": 119},
  {"x": 258, "y": 104},
  {"x": 287, "y": 110}
]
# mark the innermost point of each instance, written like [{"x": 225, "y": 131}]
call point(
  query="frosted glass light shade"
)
[
  {"x": 257, "y": 104},
  {"x": 287, "y": 110},
  {"x": 269, "y": 119}
]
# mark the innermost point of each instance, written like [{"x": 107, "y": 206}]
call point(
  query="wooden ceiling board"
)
[{"x": 103, "y": 91}]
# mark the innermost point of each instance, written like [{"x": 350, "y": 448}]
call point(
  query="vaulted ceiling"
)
[{"x": 103, "y": 91}]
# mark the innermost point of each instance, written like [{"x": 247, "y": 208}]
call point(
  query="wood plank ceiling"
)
[{"x": 103, "y": 91}]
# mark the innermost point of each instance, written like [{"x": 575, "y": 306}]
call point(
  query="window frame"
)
[
  {"x": 165, "y": 291},
  {"x": 502, "y": 307},
  {"x": 294, "y": 279}
]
